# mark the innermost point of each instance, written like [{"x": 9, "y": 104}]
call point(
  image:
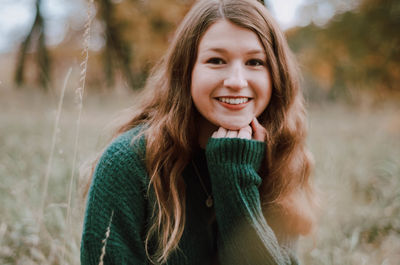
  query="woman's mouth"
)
[{"x": 233, "y": 101}]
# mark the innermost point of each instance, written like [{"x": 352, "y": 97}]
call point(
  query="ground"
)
[{"x": 356, "y": 151}]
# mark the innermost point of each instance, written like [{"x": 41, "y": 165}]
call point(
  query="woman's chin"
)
[{"x": 234, "y": 126}]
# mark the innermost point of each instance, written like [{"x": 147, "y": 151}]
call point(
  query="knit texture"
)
[{"x": 233, "y": 231}]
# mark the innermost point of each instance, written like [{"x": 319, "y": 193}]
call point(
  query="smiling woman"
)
[
  {"x": 212, "y": 167},
  {"x": 230, "y": 79}
]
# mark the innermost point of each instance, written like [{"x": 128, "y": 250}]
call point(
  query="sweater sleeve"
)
[
  {"x": 244, "y": 236},
  {"x": 115, "y": 211}
]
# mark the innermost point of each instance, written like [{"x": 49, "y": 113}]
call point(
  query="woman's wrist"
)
[{"x": 235, "y": 152}]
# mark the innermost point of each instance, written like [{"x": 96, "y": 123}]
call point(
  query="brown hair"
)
[{"x": 169, "y": 114}]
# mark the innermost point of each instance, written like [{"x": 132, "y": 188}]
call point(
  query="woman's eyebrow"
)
[
  {"x": 256, "y": 51},
  {"x": 215, "y": 49},
  {"x": 223, "y": 50}
]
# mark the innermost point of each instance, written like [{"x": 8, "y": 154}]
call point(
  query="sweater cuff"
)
[{"x": 235, "y": 151}]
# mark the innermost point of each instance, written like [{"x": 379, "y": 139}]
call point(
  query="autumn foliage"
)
[{"x": 356, "y": 51}]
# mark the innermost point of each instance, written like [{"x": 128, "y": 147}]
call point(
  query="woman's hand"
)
[{"x": 253, "y": 131}]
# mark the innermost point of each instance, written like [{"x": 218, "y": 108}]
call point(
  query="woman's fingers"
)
[
  {"x": 231, "y": 134},
  {"x": 245, "y": 133},
  {"x": 224, "y": 133},
  {"x": 259, "y": 132},
  {"x": 221, "y": 133},
  {"x": 254, "y": 131}
]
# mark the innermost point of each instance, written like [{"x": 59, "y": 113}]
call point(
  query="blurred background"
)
[{"x": 58, "y": 108}]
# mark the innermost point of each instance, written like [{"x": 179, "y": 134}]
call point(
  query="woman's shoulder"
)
[
  {"x": 123, "y": 158},
  {"x": 118, "y": 189},
  {"x": 127, "y": 146}
]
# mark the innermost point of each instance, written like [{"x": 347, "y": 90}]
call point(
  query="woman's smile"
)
[
  {"x": 233, "y": 103},
  {"x": 233, "y": 100}
]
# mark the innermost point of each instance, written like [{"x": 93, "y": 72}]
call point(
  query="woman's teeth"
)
[{"x": 234, "y": 101}]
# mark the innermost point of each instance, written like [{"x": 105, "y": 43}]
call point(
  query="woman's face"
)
[{"x": 230, "y": 80}]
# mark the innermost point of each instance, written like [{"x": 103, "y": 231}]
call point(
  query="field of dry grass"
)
[{"x": 357, "y": 153}]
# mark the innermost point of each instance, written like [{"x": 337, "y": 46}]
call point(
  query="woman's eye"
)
[
  {"x": 255, "y": 62},
  {"x": 215, "y": 61}
]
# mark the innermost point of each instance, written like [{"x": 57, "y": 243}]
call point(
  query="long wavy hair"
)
[{"x": 169, "y": 116}]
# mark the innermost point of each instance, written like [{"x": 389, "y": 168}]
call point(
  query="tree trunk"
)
[
  {"x": 43, "y": 59},
  {"x": 117, "y": 51}
]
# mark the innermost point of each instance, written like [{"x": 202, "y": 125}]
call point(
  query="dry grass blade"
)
[
  {"x": 79, "y": 93},
  {"x": 103, "y": 250},
  {"x": 53, "y": 144}
]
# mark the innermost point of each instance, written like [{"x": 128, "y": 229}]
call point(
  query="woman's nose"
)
[{"x": 236, "y": 77}]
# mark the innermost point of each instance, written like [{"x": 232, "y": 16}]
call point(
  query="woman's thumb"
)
[{"x": 259, "y": 132}]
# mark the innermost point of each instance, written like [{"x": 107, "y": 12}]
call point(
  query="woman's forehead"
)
[{"x": 224, "y": 34}]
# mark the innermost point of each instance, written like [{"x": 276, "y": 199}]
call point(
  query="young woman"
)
[{"x": 212, "y": 168}]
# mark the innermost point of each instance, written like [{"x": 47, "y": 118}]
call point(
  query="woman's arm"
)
[
  {"x": 244, "y": 236},
  {"x": 115, "y": 213}
]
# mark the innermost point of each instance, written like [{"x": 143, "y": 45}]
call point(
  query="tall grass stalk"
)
[
  {"x": 53, "y": 144},
  {"x": 79, "y": 93},
  {"x": 108, "y": 231}
]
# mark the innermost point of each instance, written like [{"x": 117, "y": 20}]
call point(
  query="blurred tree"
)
[
  {"x": 356, "y": 51},
  {"x": 43, "y": 60},
  {"x": 136, "y": 34},
  {"x": 266, "y": 3},
  {"x": 117, "y": 51}
]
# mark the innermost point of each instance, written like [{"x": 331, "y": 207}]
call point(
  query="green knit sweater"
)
[{"x": 233, "y": 231}]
